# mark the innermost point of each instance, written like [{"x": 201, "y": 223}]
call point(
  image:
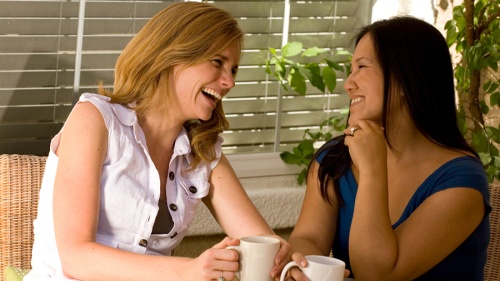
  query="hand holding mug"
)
[
  {"x": 257, "y": 254},
  {"x": 319, "y": 268}
]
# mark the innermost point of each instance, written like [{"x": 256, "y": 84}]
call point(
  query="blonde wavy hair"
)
[{"x": 185, "y": 33}]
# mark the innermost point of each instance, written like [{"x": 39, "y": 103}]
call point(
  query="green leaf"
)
[
  {"x": 496, "y": 161},
  {"x": 301, "y": 177},
  {"x": 486, "y": 86},
  {"x": 462, "y": 125},
  {"x": 289, "y": 158},
  {"x": 484, "y": 107},
  {"x": 291, "y": 63},
  {"x": 485, "y": 158},
  {"x": 280, "y": 69},
  {"x": 297, "y": 82},
  {"x": 315, "y": 77},
  {"x": 495, "y": 99},
  {"x": 491, "y": 173},
  {"x": 494, "y": 134},
  {"x": 343, "y": 53},
  {"x": 324, "y": 123},
  {"x": 330, "y": 78},
  {"x": 451, "y": 33},
  {"x": 315, "y": 136},
  {"x": 459, "y": 17},
  {"x": 291, "y": 49},
  {"x": 306, "y": 151},
  {"x": 303, "y": 70},
  {"x": 327, "y": 136},
  {"x": 493, "y": 150},
  {"x": 449, "y": 24},
  {"x": 268, "y": 68},
  {"x": 313, "y": 51},
  {"x": 340, "y": 127},
  {"x": 479, "y": 142},
  {"x": 344, "y": 111},
  {"x": 334, "y": 65}
]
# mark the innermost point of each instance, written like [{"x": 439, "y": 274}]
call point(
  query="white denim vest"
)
[{"x": 129, "y": 193}]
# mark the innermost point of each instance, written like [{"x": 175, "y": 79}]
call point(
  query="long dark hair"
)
[{"x": 415, "y": 58}]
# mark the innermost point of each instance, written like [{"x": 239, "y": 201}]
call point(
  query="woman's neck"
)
[{"x": 159, "y": 132}]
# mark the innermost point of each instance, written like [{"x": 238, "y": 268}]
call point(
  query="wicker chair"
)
[
  {"x": 492, "y": 268},
  {"x": 21, "y": 178}
]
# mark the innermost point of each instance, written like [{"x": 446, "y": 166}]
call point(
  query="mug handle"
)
[
  {"x": 287, "y": 267},
  {"x": 237, "y": 249}
]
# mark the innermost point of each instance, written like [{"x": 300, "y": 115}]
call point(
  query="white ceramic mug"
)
[
  {"x": 319, "y": 268},
  {"x": 257, "y": 255}
]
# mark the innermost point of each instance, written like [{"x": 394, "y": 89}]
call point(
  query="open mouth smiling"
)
[
  {"x": 213, "y": 95},
  {"x": 356, "y": 100}
]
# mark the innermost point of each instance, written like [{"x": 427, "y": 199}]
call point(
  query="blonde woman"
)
[{"x": 125, "y": 174}]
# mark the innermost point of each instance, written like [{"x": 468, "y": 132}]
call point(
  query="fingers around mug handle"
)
[
  {"x": 237, "y": 249},
  {"x": 287, "y": 267}
]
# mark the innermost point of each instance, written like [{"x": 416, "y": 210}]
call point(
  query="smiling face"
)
[
  {"x": 365, "y": 84},
  {"x": 197, "y": 89}
]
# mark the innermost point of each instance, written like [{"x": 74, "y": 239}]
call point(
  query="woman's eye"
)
[{"x": 217, "y": 62}]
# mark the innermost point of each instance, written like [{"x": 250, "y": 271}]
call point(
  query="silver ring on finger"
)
[
  {"x": 353, "y": 129},
  {"x": 221, "y": 278}
]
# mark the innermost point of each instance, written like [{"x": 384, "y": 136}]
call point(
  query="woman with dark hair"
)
[
  {"x": 125, "y": 174},
  {"x": 400, "y": 196}
]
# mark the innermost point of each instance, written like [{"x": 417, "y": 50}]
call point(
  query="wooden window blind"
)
[{"x": 38, "y": 47}]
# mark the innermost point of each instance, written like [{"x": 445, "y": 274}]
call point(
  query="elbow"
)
[
  {"x": 71, "y": 262},
  {"x": 69, "y": 267}
]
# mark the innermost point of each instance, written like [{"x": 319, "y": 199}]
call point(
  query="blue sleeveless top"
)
[{"x": 468, "y": 260}]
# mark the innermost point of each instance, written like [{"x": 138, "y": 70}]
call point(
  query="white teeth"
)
[
  {"x": 212, "y": 93},
  {"x": 358, "y": 99}
]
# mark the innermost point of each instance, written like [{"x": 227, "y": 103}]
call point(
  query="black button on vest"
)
[
  {"x": 193, "y": 189},
  {"x": 143, "y": 242},
  {"x": 171, "y": 176},
  {"x": 173, "y": 207}
]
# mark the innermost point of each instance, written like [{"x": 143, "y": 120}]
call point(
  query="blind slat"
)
[
  {"x": 38, "y": 26},
  {"x": 261, "y": 121},
  {"x": 29, "y": 131},
  {"x": 258, "y": 89},
  {"x": 289, "y": 104},
  {"x": 27, "y": 114},
  {"x": 25, "y": 146},
  {"x": 36, "y": 44},
  {"x": 35, "y": 96}
]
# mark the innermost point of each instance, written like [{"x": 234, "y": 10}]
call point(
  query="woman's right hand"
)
[
  {"x": 210, "y": 264},
  {"x": 296, "y": 274}
]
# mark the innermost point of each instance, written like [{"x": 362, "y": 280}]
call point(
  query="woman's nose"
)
[
  {"x": 227, "y": 79},
  {"x": 348, "y": 84}
]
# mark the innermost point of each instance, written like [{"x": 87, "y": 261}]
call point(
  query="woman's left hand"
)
[{"x": 281, "y": 257}]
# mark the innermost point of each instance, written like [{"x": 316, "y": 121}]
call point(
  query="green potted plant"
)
[
  {"x": 474, "y": 32},
  {"x": 293, "y": 66}
]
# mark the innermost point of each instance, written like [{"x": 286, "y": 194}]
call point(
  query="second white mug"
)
[{"x": 319, "y": 268}]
